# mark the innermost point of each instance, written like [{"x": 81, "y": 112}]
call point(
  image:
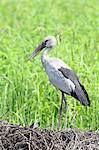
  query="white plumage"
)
[{"x": 51, "y": 66}]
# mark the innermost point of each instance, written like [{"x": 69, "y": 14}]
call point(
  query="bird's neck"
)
[{"x": 45, "y": 56}]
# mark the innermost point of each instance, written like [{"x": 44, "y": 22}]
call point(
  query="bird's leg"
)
[
  {"x": 60, "y": 113},
  {"x": 73, "y": 119},
  {"x": 66, "y": 110}
]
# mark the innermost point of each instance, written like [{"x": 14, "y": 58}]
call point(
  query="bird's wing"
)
[
  {"x": 79, "y": 93},
  {"x": 70, "y": 74}
]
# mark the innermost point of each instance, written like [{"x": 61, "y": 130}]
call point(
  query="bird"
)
[{"x": 60, "y": 75}]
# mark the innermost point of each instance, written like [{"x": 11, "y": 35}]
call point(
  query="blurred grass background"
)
[{"x": 26, "y": 95}]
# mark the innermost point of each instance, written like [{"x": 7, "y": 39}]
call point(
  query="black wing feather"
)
[{"x": 80, "y": 93}]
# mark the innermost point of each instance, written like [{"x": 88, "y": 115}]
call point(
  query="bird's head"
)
[{"x": 48, "y": 43}]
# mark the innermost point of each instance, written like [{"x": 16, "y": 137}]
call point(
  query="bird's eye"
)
[{"x": 46, "y": 41}]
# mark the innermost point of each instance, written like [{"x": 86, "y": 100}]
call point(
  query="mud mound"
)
[{"x": 14, "y": 137}]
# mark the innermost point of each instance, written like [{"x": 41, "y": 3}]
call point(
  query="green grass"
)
[{"x": 26, "y": 95}]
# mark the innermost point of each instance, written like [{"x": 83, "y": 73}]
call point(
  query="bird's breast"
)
[{"x": 57, "y": 78}]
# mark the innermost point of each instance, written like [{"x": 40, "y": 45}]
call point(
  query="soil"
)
[{"x": 14, "y": 137}]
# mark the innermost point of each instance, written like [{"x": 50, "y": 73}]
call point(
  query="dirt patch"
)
[{"x": 14, "y": 137}]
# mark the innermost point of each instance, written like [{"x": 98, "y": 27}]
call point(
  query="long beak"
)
[{"x": 37, "y": 50}]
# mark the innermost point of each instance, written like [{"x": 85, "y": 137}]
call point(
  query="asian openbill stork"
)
[{"x": 61, "y": 75}]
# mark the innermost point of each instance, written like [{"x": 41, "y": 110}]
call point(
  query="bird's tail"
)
[{"x": 81, "y": 95}]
